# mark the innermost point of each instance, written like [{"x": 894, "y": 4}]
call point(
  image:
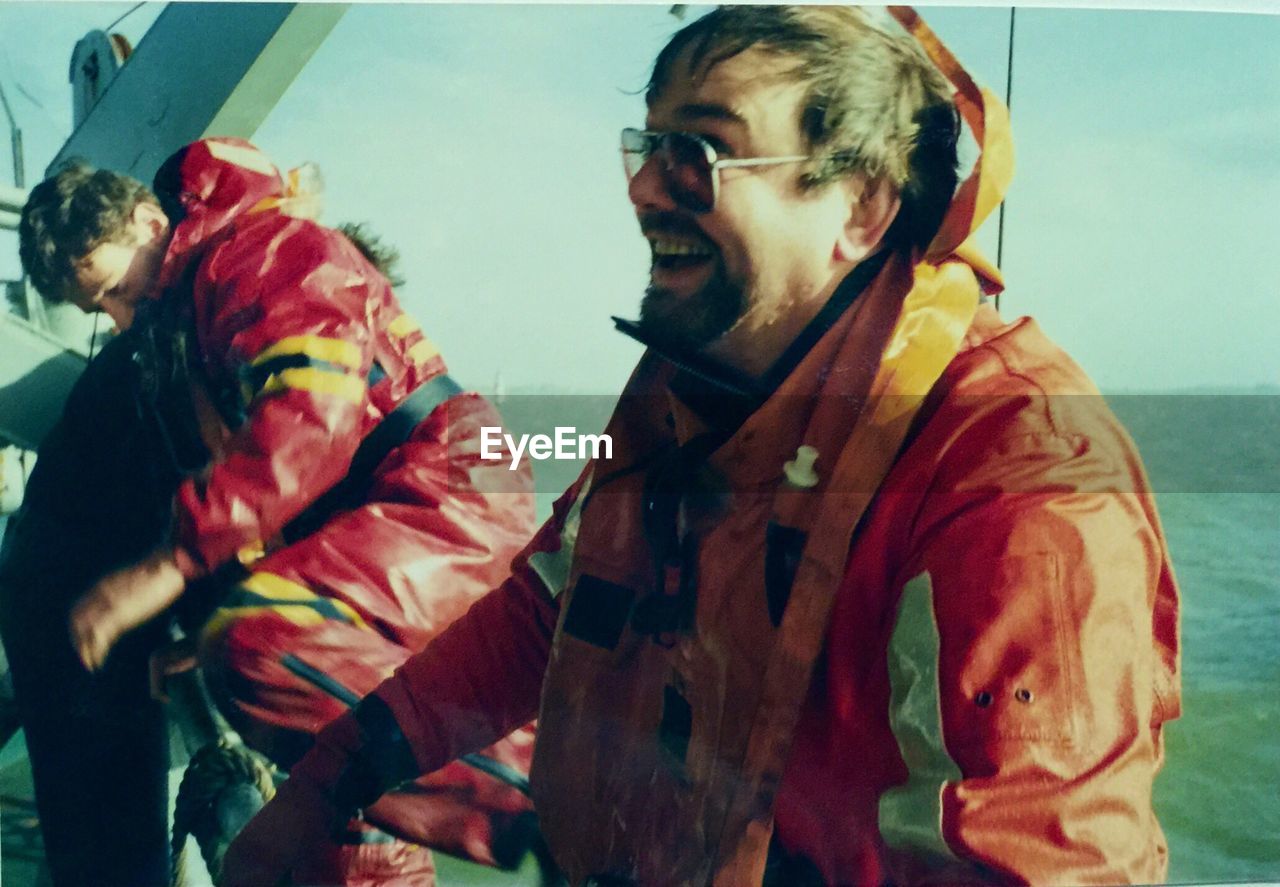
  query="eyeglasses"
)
[{"x": 689, "y": 164}]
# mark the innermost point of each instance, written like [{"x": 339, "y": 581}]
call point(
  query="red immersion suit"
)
[
  {"x": 999, "y": 661},
  {"x": 305, "y": 349}
]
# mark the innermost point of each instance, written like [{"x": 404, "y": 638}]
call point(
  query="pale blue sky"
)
[{"x": 482, "y": 140}]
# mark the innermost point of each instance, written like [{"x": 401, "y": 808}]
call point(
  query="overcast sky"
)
[{"x": 1141, "y": 228}]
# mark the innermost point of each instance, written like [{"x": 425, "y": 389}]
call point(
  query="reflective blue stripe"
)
[
  {"x": 255, "y": 376},
  {"x": 497, "y": 769},
  {"x": 241, "y": 597}
]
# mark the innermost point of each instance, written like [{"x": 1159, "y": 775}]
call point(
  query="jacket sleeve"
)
[
  {"x": 482, "y": 677},
  {"x": 476, "y": 682},
  {"x": 285, "y": 313},
  {"x": 1039, "y": 575}
]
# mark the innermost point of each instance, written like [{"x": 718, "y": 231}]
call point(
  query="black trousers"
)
[
  {"x": 98, "y": 747},
  {"x": 99, "y": 498}
]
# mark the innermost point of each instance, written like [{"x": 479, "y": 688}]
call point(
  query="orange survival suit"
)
[
  {"x": 305, "y": 352},
  {"x": 938, "y": 645}
]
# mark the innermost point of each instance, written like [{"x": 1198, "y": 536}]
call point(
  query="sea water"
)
[{"x": 1215, "y": 464}]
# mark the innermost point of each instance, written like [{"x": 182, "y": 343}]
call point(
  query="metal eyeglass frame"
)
[{"x": 714, "y": 162}]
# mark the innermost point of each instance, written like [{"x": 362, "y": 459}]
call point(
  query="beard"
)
[{"x": 690, "y": 323}]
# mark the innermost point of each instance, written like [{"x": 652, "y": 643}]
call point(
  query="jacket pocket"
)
[{"x": 1006, "y": 669}]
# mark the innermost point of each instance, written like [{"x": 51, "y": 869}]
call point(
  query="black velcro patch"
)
[
  {"x": 783, "y": 548},
  {"x": 677, "y": 723},
  {"x": 598, "y": 611}
]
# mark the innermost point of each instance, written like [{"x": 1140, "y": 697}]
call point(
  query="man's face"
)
[
  {"x": 766, "y": 248},
  {"x": 114, "y": 276}
]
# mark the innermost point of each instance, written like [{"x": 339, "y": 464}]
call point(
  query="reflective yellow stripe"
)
[
  {"x": 299, "y": 610},
  {"x": 315, "y": 381},
  {"x": 347, "y": 610},
  {"x": 242, "y": 155},
  {"x": 402, "y": 326},
  {"x": 224, "y": 617},
  {"x": 423, "y": 351},
  {"x": 273, "y": 586},
  {"x": 301, "y": 199},
  {"x": 334, "y": 351},
  {"x": 911, "y": 814}
]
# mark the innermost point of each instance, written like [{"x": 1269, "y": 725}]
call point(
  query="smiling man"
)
[
  {"x": 872, "y": 589},
  {"x": 739, "y": 270}
]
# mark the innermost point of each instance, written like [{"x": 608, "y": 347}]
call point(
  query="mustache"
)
[{"x": 672, "y": 223}]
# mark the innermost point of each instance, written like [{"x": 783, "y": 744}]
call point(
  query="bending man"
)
[{"x": 345, "y": 484}]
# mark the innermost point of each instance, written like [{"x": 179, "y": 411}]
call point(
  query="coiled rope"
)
[{"x": 212, "y": 770}]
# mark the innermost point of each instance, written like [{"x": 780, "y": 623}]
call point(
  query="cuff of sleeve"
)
[{"x": 383, "y": 760}]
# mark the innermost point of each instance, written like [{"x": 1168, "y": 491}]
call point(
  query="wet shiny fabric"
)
[{"x": 305, "y": 350}]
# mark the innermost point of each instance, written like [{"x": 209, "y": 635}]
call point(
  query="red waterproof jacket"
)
[
  {"x": 305, "y": 349},
  {"x": 1002, "y": 653},
  {"x": 290, "y": 320}
]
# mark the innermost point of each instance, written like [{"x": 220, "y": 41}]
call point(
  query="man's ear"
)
[
  {"x": 148, "y": 221},
  {"x": 872, "y": 208}
]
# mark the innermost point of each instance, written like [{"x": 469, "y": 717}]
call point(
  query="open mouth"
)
[{"x": 678, "y": 253}]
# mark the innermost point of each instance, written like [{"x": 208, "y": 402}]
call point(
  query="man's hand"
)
[
  {"x": 300, "y": 818},
  {"x": 294, "y": 823},
  {"x": 120, "y": 602}
]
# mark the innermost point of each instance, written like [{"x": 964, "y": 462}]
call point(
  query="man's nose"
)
[
  {"x": 648, "y": 188},
  {"x": 120, "y": 312}
]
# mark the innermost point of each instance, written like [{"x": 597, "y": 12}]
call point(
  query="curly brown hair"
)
[
  {"x": 875, "y": 104},
  {"x": 70, "y": 214}
]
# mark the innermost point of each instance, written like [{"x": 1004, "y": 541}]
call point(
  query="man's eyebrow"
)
[{"x": 708, "y": 110}]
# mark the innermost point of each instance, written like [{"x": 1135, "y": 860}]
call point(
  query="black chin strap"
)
[
  {"x": 706, "y": 380},
  {"x": 734, "y": 383}
]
